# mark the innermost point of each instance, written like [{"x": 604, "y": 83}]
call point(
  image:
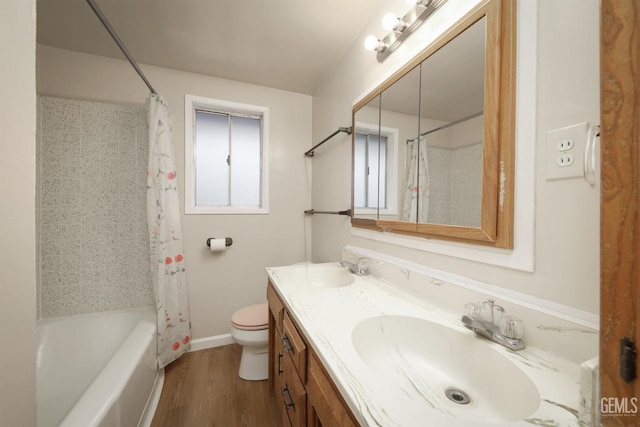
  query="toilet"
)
[{"x": 250, "y": 329}]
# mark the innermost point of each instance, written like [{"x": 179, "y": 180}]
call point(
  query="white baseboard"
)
[{"x": 211, "y": 342}]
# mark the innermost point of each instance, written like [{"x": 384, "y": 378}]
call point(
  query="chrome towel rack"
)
[
  {"x": 346, "y": 212},
  {"x": 348, "y": 131}
]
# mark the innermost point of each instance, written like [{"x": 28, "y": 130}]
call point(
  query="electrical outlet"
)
[
  {"x": 565, "y": 160},
  {"x": 564, "y": 152},
  {"x": 566, "y": 144}
]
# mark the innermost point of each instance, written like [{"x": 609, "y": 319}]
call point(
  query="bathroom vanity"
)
[
  {"x": 348, "y": 350},
  {"x": 304, "y": 390}
]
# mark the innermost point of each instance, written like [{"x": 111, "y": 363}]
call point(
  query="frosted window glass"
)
[
  {"x": 211, "y": 151},
  {"x": 246, "y": 158},
  {"x": 370, "y": 171},
  {"x": 360, "y": 171},
  {"x": 373, "y": 155},
  {"x": 382, "y": 181},
  {"x": 228, "y": 159}
]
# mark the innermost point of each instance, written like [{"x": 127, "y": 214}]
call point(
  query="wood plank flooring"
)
[{"x": 203, "y": 389}]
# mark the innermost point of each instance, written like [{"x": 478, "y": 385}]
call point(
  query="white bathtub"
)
[{"x": 98, "y": 369}]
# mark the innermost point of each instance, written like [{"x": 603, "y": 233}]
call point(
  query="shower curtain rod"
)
[
  {"x": 121, "y": 45},
  {"x": 464, "y": 119}
]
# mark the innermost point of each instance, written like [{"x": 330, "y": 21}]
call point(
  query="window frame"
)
[
  {"x": 193, "y": 103},
  {"x": 392, "y": 135}
]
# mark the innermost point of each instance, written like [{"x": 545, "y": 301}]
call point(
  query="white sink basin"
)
[
  {"x": 413, "y": 354},
  {"x": 320, "y": 275}
]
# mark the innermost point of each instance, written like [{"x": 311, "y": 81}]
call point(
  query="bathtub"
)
[{"x": 98, "y": 369}]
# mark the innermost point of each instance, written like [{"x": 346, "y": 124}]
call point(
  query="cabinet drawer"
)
[
  {"x": 294, "y": 346},
  {"x": 323, "y": 397},
  {"x": 293, "y": 397},
  {"x": 275, "y": 305}
]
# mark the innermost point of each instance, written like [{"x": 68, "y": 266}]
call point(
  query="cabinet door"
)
[
  {"x": 325, "y": 405},
  {"x": 276, "y": 367},
  {"x": 295, "y": 347},
  {"x": 294, "y": 396}
]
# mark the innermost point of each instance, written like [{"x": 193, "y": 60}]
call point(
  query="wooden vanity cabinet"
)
[
  {"x": 325, "y": 402},
  {"x": 294, "y": 346},
  {"x": 287, "y": 352},
  {"x": 304, "y": 391},
  {"x": 294, "y": 397}
]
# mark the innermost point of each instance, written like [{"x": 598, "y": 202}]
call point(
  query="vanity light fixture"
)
[
  {"x": 401, "y": 28},
  {"x": 424, "y": 3},
  {"x": 373, "y": 43},
  {"x": 391, "y": 22}
]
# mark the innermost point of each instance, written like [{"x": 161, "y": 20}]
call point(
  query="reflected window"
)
[
  {"x": 370, "y": 171},
  {"x": 375, "y": 170}
]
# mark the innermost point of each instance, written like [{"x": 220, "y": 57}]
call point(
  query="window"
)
[
  {"x": 226, "y": 157},
  {"x": 375, "y": 170},
  {"x": 370, "y": 167}
]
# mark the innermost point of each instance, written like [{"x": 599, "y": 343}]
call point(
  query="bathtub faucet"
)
[
  {"x": 510, "y": 332},
  {"x": 359, "y": 268}
]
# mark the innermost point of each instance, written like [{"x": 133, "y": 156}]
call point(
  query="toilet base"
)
[{"x": 254, "y": 363}]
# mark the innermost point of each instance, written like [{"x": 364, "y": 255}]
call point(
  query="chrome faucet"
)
[
  {"x": 509, "y": 334},
  {"x": 359, "y": 268}
]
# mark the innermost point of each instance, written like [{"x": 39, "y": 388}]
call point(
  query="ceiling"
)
[{"x": 285, "y": 44}]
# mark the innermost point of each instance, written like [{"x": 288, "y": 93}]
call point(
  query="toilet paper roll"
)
[{"x": 217, "y": 245}]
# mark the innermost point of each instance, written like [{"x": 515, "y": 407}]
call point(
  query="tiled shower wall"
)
[
  {"x": 466, "y": 185},
  {"x": 93, "y": 247},
  {"x": 456, "y": 185}
]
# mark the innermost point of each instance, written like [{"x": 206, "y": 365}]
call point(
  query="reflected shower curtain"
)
[
  {"x": 165, "y": 237},
  {"x": 416, "y": 190}
]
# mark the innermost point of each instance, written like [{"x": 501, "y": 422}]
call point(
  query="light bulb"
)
[
  {"x": 371, "y": 43},
  {"x": 389, "y": 21}
]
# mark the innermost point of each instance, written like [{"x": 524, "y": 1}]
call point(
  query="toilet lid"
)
[{"x": 251, "y": 318}]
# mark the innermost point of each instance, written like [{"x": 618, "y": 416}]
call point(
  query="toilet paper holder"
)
[{"x": 228, "y": 241}]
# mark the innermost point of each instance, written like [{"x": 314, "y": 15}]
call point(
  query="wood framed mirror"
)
[{"x": 433, "y": 145}]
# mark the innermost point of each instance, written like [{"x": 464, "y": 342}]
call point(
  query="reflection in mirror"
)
[
  {"x": 449, "y": 149},
  {"x": 374, "y": 164},
  {"x": 370, "y": 153},
  {"x": 448, "y": 173},
  {"x": 365, "y": 167},
  {"x": 440, "y": 173},
  {"x": 399, "y": 110}
]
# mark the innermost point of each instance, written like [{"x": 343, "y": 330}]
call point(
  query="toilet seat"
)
[{"x": 252, "y": 318}]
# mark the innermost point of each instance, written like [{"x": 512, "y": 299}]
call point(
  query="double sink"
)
[{"x": 401, "y": 361}]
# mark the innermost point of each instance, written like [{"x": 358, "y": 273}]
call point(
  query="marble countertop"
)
[{"x": 327, "y": 316}]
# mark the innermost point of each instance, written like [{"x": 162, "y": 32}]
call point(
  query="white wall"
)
[
  {"x": 566, "y": 236},
  {"x": 218, "y": 283},
  {"x": 17, "y": 213}
]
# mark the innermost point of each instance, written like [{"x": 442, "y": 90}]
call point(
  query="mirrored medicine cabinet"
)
[{"x": 433, "y": 146}]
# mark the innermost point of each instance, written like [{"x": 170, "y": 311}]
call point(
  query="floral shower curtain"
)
[
  {"x": 416, "y": 192},
  {"x": 165, "y": 237}
]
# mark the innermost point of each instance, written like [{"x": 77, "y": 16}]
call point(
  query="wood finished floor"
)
[{"x": 203, "y": 389}]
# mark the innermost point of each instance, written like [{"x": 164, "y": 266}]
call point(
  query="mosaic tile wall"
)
[
  {"x": 456, "y": 185},
  {"x": 439, "y": 161},
  {"x": 93, "y": 246},
  {"x": 466, "y": 185}
]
